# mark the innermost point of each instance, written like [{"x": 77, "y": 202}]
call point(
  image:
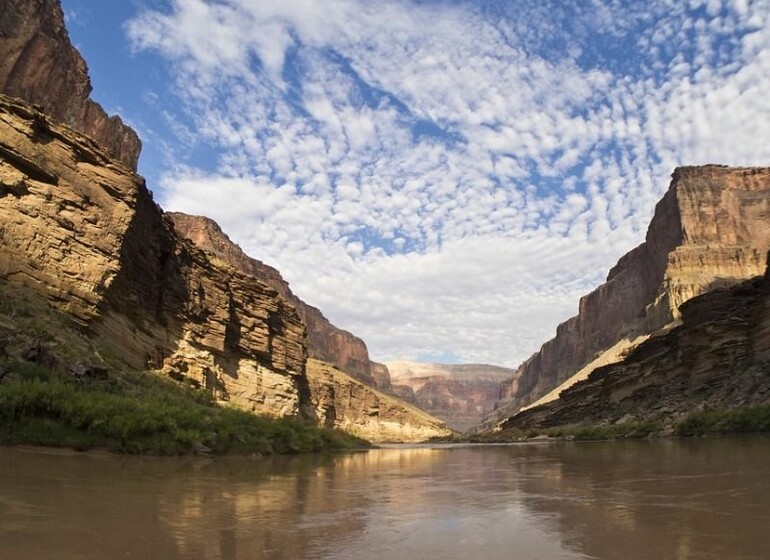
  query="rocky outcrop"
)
[
  {"x": 460, "y": 394},
  {"x": 83, "y": 231},
  {"x": 719, "y": 357},
  {"x": 339, "y": 401},
  {"x": 710, "y": 230},
  {"x": 326, "y": 342},
  {"x": 39, "y": 64}
]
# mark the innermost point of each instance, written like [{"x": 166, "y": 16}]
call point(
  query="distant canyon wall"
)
[
  {"x": 38, "y": 64},
  {"x": 460, "y": 394},
  {"x": 710, "y": 230}
]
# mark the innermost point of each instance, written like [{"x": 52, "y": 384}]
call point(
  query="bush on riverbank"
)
[
  {"x": 631, "y": 430},
  {"x": 136, "y": 413},
  {"x": 734, "y": 421}
]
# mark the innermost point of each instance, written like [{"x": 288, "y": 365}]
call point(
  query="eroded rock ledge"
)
[
  {"x": 340, "y": 401},
  {"x": 344, "y": 389},
  {"x": 326, "y": 342}
]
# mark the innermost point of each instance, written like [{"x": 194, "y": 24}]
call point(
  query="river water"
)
[{"x": 656, "y": 500}]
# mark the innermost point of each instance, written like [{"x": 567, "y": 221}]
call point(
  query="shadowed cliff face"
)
[
  {"x": 719, "y": 357},
  {"x": 325, "y": 341},
  {"x": 38, "y": 64},
  {"x": 84, "y": 231},
  {"x": 710, "y": 230}
]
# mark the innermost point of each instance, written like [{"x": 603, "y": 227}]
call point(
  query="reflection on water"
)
[{"x": 638, "y": 500}]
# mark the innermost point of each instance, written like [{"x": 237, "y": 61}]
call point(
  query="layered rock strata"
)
[
  {"x": 710, "y": 230},
  {"x": 326, "y": 342},
  {"x": 719, "y": 357},
  {"x": 346, "y": 392},
  {"x": 38, "y": 64},
  {"x": 339, "y": 401},
  {"x": 460, "y": 394},
  {"x": 83, "y": 230}
]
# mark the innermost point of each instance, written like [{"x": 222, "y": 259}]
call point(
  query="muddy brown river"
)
[{"x": 689, "y": 499}]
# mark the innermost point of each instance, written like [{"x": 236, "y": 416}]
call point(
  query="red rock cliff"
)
[
  {"x": 326, "y": 342},
  {"x": 38, "y": 64},
  {"x": 711, "y": 229}
]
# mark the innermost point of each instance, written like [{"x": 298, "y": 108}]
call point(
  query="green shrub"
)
[
  {"x": 149, "y": 416},
  {"x": 728, "y": 421}
]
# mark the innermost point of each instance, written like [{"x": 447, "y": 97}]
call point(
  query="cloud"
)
[{"x": 448, "y": 178}]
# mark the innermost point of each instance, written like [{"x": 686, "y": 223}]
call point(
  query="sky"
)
[{"x": 443, "y": 178}]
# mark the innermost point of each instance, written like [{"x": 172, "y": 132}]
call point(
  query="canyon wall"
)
[
  {"x": 38, "y": 64},
  {"x": 381, "y": 376},
  {"x": 326, "y": 342},
  {"x": 710, "y": 230},
  {"x": 83, "y": 230},
  {"x": 719, "y": 357},
  {"x": 80, "y": 227},
  {"x": 339, "y": 401},
  {"x": 345, "y": 390},
  {"x": 460, "y": 394}
]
